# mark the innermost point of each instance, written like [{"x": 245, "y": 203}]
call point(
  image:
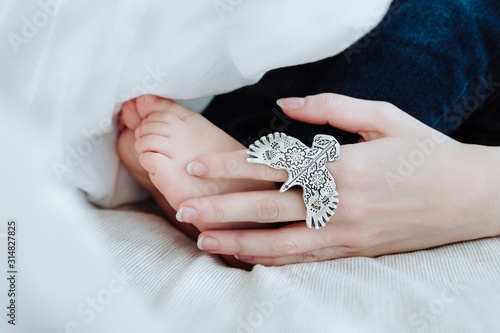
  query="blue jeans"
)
[{"x": 438, "y": 60}]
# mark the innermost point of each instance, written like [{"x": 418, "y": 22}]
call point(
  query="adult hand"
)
[{"x": 403, "y": 187}]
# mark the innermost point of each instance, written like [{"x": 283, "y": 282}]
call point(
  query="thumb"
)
[{"x": 370, "y": 119}]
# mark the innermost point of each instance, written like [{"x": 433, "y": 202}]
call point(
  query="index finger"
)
[{"x": 233, "y": 165}]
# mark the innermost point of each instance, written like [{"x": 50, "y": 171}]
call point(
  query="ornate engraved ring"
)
[{"x": 306, "y": 167}]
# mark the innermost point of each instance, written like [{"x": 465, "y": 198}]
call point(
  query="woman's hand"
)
[{"x": 403, "y": 187}]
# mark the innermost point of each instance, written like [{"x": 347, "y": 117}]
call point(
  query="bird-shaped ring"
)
[{"x": 306, "y": 167}]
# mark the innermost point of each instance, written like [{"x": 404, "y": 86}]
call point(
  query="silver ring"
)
[{"x": 306, "y": 167}]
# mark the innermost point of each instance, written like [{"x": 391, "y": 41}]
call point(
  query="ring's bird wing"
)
[
  {"x": 278, "y": 151},
  {"x": 320, "y": 196},
  {"x": 305, "y": 167}
]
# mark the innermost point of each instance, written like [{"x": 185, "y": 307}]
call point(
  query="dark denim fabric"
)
[{"x": 438, "y": 60}]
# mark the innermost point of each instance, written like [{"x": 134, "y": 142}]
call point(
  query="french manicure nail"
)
[
  {"x": 292, "y": 103},
  {"x": 187, "y": 214},
  {"x": 178, "y": 215},
  {"x": 206, "y": 243},
  {"x": 196, "y": 169}
]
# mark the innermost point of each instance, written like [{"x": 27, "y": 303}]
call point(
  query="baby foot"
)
[
  {"x": 166, "y": 137},
  {"x": 129, "y": 120},
  {"x": 169, "y": 138}
]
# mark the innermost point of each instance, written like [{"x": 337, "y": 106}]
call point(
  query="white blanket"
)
[{"x": 69, "y": 65}]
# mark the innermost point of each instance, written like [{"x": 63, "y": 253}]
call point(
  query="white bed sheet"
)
[{"x": 454, "y": 288}]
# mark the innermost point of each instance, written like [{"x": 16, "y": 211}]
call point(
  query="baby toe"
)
[
  {"x": 163, "y": 117},
  {"x": 130, "y": 115},
  {"x": 153, "y": 128},
  {"x": 154, "y": 163},
  {"x": 153, "y": 143},
  {"x": 148, "y": 104}
]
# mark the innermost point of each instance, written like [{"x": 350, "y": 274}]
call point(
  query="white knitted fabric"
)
[{"x": 453, "y": 288}]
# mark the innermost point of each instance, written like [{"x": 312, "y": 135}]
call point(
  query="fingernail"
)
[
  {"x": 292, "y": 103},
  {"x": 150, "y": 99},
  {"x": 243, "y": 258},
  {"x": 206, "y": 243},
  {"x": 187, "y": 214},
  {"x": 196, "y": 169}
]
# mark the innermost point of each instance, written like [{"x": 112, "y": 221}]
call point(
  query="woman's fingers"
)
[
  {"x": 259, "y": 206},
  {"x": 323, "y": 254},
  {"x": 233, "y": 165},
  {"x": 286, "y": 241},
  {"x": 369, "y": 119}
]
